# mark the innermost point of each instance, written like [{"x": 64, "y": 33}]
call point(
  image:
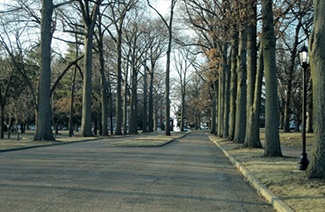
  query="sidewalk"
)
[{"x": 278, "y": 179}]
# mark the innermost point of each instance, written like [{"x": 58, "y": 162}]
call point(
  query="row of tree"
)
[
  {"x": 125, "y": 49},
  {"x": 238, "y": 46},
  {"x": 123, "y": 38},
  {"x": 252, "y": 64}
]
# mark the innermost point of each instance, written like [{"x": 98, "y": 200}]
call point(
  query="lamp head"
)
[{"x": 303, "y": 56}]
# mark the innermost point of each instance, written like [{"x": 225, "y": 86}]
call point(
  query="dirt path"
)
[{"x": 189, "y": 174}]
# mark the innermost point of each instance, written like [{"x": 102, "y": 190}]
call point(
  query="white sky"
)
[{"x": 163, "y": 6}]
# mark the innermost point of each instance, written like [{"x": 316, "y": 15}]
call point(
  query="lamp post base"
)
[{"x": 303, "y": 162}]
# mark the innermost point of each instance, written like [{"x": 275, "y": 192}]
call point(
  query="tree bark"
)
[
  {"x": 251, "y": 139},
  {"x": 125, "y": 102},
  {"x": 317, "y": 56},
  {"x": 104, "y": 90},
  {"x": 89, "y": 22},
  {"x": 240, "y": 125},
  {"x": 134, "y": 101},
  {"x": 226, "y": 92},
  {"x": 145, "y": 100},
  {"x": 220, "y": 111},
  {"x": 214, "y": 109},
  {"x": 167, "y": 85},
  {"x": 287, "y": 108},
  {"x": 272, "y": 142},
  {"x": 183, "y": 88},
  {"x": 119, "y": 115},
  {"x": 43, "y": 130},
  {"x": 233, "y": 83},
  {"x": 150, "y": 104},
  {"x": 71, "y": 127},
  {"x": 310, "y": 128}
]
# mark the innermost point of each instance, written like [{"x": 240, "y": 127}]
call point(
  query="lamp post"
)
[{"x": 304, "y": 62}]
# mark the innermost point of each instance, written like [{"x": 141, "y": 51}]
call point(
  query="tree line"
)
[{"x": 251, "y": 49}]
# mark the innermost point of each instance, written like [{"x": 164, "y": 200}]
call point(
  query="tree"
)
[
  {"x": 89, "y": 13},
  {"x": 118, "y": 12},
  {"x": 156, "y": 46},
  {"x": 240, "y": 125},
  {"x": 44, "y": 130},
  {"x": 252, "y": 140},
  {"x": 198, "y": 104},
  {"x": 317, "y": 57},
  {"x": 104, "y": 86},
  {"x": 207, "y": 19},
  {"x": 233, "y": 81},
  {"x": 169, "y": 26},
  {"x": 272, "y": 142},
  {"x": 5, "y": 84},
  {"x": 136, "y": 40},
  {"x": 182, "y": 63},
  {"x": 293, "y": 20},
  {"x": 14, "y": 50}
]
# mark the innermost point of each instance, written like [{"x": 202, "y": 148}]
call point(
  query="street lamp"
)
[{"x": 304, "y": 62}]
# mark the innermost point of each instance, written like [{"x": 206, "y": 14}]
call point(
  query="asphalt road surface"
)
[{"x": 190, "y": 174}]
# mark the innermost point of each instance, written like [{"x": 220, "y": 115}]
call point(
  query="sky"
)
[{"x": 162, "y": 6}]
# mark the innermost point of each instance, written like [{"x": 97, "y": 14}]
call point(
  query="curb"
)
[
  {"x": 85, "y": 140},
  {"x": 157, "y": 145},
  {"x": 275, "y": 201},
  {"x": 45, "y": 145}
]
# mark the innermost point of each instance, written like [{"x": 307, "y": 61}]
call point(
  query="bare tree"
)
[
  {"x": 44, "y": 130},
  {"x": 169, "y": 26},
  {"x": 317, "y": 57},
  {"x": 182, "y": 62},
  {"x": 252, "y": 134},
  {"x": 118, "y": 12},
  {"x": 89, "y": 11},
  {"x": 272, "y": 142}
]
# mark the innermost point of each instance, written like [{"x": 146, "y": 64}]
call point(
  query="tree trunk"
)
[
  {"x": 167, "y": 85},
  {"x": 214, "y": 109},
  {"x": 220, "y": 110},
  {"x": 89, "y": 22},
  {"x": 287, "y": 108},
  {"x": 317, "y": 57},
  {"x": 183, "y": 104},
  {"x": 86, "y": 97},
  {"x": 43, "y": 130},
  {"x": 226, "y": 92},
  {"x": 2, "y": 118},
  {"x": 104, "y": 99},
  {"x": 110, "y": 108},
  {"x": 134, "y": 101},
  {"x": 310, "y": 128},
  {"x": 250, "y": 140},
  {"x": 272, "y": 143},
  {"x": 240, "y": 126},
  {"x": 119, "y": 115},
  {"x": 150, "y": 105},
  {"x": 233, "y": 83},
  {"x": 253, "y": 134},
  {"x": 145, "y": 100},
  {"x": 125, "y": 102},
  {"x": 71, "y": 127}
]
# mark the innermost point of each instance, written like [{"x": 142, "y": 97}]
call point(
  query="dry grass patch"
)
[
  {"x": 292, "y": 139},
  {"x": 281, "y": 176},
  {"x": 26, "y": 140},
  {"x": 147, "y": 141}
]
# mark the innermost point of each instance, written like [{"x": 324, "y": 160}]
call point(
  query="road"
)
[{"x": 190, "y": 174}]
